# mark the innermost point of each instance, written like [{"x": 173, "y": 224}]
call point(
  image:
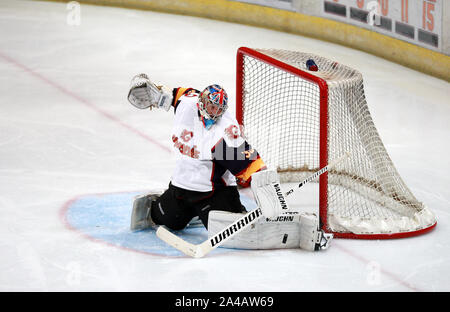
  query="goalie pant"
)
[
  {"x": 292, "y": 230},
  {"x": 177, "y": 206}
]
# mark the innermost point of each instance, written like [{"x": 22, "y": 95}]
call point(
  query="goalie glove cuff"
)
[{"x": 165, "y": 99}]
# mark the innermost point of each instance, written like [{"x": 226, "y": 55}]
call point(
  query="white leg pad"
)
[
  {"x": 311, "y": 237},
  {"x": 292, "y": 230},
  {"x": 141, "y": 213},
  {"x": 276, "y": 233}
]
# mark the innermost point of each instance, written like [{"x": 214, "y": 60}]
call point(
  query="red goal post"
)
[{"x": 299, "y": 119}]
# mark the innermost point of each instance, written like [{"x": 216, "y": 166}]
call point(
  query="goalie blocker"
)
[{"x": 291, "y": 230}]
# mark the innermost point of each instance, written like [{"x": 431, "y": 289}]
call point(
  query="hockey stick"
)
[{"x": 200, "y": 250}]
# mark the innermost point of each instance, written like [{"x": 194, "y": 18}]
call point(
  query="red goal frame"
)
[{"x": 323, "y": 136}]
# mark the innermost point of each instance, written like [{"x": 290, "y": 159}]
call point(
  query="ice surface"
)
[{"x": 67, "y": 132}]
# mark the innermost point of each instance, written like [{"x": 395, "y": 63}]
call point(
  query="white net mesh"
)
[{"x": 281, "y": 115}]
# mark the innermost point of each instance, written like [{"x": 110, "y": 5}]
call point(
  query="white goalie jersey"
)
[{"x": 207, "y": 159}]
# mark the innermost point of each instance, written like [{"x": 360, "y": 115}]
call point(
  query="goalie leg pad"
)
[
  {"x": 266, "y": 188},
  {"x": 276, "y": 233},
  {"x": 291, "y": 230},
  {"x": 141, "y": 215},
  {"x": 311, "y": 237}
]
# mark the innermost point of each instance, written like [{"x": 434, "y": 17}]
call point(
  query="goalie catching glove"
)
[
  {"x": 144, "y": 94},
  {"x": 266, "y": 188}
]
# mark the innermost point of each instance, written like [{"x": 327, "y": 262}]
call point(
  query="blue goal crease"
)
[{"x": 107, "y": 218}]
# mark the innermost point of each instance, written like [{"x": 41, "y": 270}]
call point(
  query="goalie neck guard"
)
[{"x": 212, "y": 103}]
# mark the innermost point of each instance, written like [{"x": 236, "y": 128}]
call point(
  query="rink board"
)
[{"x": 106, "y": 218}]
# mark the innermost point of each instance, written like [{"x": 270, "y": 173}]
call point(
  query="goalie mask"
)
[{"x": 212, "y": 103}]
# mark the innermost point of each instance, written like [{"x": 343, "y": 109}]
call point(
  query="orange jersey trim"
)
[
  {"x": 177, "y": 94},
  {"x": 255, "y": 166}
]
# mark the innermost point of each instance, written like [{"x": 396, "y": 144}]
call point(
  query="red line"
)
[{"x": 84, "y": 101}]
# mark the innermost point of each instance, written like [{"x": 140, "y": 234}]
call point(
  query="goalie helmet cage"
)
[{"x": 298, "y": 120}]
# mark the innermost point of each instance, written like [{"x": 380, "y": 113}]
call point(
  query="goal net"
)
[{"x": 299, "y": 120}]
